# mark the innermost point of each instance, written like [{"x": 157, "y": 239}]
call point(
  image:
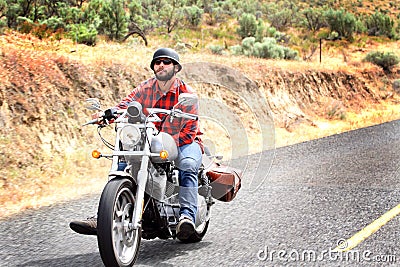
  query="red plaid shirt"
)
[{"x": 149, "y": 95}]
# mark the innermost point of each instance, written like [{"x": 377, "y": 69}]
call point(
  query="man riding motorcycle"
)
[{"x": 162, "y": 91}]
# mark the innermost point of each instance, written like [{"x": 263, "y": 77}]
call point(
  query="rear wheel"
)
[{"x": 118, "y": 242}]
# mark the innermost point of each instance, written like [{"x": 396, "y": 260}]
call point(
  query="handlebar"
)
[
  {"x": 177, "y": 113},
  {"x": 94, "y": 121},
  {"x": 180, "y": 114}
]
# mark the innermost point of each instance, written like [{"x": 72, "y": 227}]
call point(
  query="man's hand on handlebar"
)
[{"x": 104, "y": 117}]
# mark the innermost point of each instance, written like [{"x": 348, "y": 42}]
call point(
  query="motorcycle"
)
[{"x": 141, "y": 197}]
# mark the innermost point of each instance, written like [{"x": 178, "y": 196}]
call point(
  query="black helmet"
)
[{"x": 166, "y": 53}]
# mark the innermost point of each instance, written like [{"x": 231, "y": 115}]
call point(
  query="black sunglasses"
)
[{"x": 165, "y": 61}]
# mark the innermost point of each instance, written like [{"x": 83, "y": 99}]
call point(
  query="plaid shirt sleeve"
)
[{"x": 189, "y": 128}]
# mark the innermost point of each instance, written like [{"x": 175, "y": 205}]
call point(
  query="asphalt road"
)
[{"x": 316, "y": 193}]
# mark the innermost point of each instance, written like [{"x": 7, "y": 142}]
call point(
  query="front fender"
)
[{"x": 121, "y": 174}]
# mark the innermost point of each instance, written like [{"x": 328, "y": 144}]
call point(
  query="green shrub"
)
[
  {"x": 313, "y": 19},
  {"x": 385, "y": 60},
  {"x": 216, "y": 14},
  {"x": 3, "y": 18},
  {"x": 236, "y": 50},
  {"x": 268, "y": 48},
  {"x": 360, "y": 27},
  {"x": 290, "y": 54},
  {"x": 271, "y": 31},
  {"x": 3, "y": 24},
  {"x": 113, "y": 19},
  {"x": 193, "y": 15},
  {"x": 39, "y": 30},
  {"x": 282, "y": 14},
  {"x": 342, "y": 22},
  {"x": 398, "y": 24},
  {"x": 281, "y": 19},
  {"x": 281, "y": 37},
  {"x": 248, "y": 46},
  {"x": 216, "y": 49},
  {"x": 228, "y": 7},
  {"x": 54, "y": 23},
  {"x": 248, "y": 6},
  {"x": 83, "y": 34},
  {"x": 379, "y": 24},
  {"x": 261, "y": 30},
  {"x": 247, "y": 25}
]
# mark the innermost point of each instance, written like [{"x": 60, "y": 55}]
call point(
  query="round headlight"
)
[{"x": 129, "y": 136}]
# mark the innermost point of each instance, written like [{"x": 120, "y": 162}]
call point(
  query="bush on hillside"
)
[
  {"x": 268, "y": 48},
  {"x": 193, "y": 15},
  {"x": 385, "y": 60},
  {"x": 342, "y": 22},
  {"x": 360, "y": 27},
  {"x": 83, "y": 34},
  {"x": 379, "y": 24},
  {"x": 313, "y": 19},
  {"x": 236, "y": 50},
  {"x": 114, "y": 20},
  {"x": 39, "y": 30},
  {"x": 3, "y": 18},
  {"x": 397, "y": 37},
  {"x": 283, "y": 14},
  {"x": 216, "y": 49},
  {"x": 261, "y": 30},
  {"x": 247, "y": 25}
]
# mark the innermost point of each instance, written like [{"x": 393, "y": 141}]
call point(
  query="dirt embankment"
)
[
  {"x": 44, "y": 106},
  {"x": 41, "y": 96},
  {"x": 42, "y": 110},
  {"x": 295, "y": 96}
]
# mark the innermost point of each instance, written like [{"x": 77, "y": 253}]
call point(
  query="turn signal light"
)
[
  {"x": 96, "y": 154},
  {"x": 163, "y": 154}
]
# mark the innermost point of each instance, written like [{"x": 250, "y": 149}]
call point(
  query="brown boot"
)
[
  {"x": 85, "y": 227},
  {"x": 185, "y": 228}
]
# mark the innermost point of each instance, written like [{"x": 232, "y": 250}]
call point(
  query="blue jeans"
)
[{"x": 188, "y": 162}]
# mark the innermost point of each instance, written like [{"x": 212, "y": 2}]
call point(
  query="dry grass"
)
[{"x": 373, "y": 115}]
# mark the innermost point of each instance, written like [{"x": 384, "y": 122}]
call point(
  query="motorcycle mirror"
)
[
  {"x": 134, "y": 109},
  {"x": 93, "y": 104},
  {"x": 135, "y": 113},
  {"x": 187, "y": 99}
]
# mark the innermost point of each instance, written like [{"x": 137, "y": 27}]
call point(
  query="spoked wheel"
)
[
  {"x": 118, "y": 241},
  {"x": 202, "y": 220}
]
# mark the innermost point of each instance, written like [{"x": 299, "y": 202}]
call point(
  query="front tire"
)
[{"x": 118, "y": 243}]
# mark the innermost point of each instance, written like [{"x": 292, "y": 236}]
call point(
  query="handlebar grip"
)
[
  {"x": 94, "y": 121},
  {"x": 190, "y": 116}
]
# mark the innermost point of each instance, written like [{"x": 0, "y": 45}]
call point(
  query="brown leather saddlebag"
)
[{"x": 225, "y": 182}]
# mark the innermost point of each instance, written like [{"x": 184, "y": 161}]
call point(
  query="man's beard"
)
[{"x": 165, "y": 77}]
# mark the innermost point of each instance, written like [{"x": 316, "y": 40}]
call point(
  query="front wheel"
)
[{"x": 118, "y": 242}]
